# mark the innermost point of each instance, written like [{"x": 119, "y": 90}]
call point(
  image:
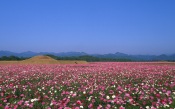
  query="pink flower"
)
[
  {"x": 73, "y": 95},
  {"x": 22, "y": 95},
  {"x": 20, "y": 102},
  {"x": 91, "y": 92},
  {"x": 121, "y": 107},
  {"x": 90, "y": 105},
  {"x": 43, "y": 103},
  {"x": 2, "y": 94},
  {"x": 127, "y": 95},
  {"x": 46, "y": 97},
  {"x": 158, "y": 95},
  {"x": 170, "y": 100},
  {"x": 108, "y": 105},
  {"x": 168, "y": 93},
  {"x": 11, "y": 84},
  {"x": 67, "y": 108},
  {"x": 164, "y": 101},
  {"x": 119, "y": 88},
  {"x": 111, "y": 92},
  {"x": 6, "y": 107},
  {"x": 5, "y": 101},
  {"x": 99, "y": 107},
  {"x": 153, "y": 108},
  {"x": 31, "y": 105},
  {"x": 79, "y": 102},
  {"x": 15, "y": 107}
]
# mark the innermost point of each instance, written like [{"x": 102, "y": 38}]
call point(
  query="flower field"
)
[{"x": 107, "y": 85}]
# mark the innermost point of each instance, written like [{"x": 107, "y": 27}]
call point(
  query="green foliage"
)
[
  {"x": 94, "y": 59},
  {"x": 11, "y": 58},
  {"x": 85, "y": 58}
]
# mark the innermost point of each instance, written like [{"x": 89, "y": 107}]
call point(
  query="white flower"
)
[
  {"x": 51, "y": 104},
  {"x": 107, "y": 97},
  {"x": 147, "y": 107},
  {"x": 71, "y": 92},
  {"x": 166, "y": 105},
  {"x": 81, "y": 107},
  {"x": 16, "y": 86},
  {"x": 100, "y": 106},
  {"x": 89, "y": 98},
  {"x": 35, "y": 99},
  {"x": 84, "y": 92},
  {"x": 39, "y": 89},
  {"x": 113, "y": 96}
]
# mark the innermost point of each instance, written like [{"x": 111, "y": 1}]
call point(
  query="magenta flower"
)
[
  {"x": 121, "y": 107},
  {"x": 79, "y": 102},
  {"x": 168, "y": 93},
  {"x": 90, "y": 105}
]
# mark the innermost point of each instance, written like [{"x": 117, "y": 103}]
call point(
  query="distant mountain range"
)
[
  {"x": 116, "y": 55},
  {"x": 31, "y": 54}
]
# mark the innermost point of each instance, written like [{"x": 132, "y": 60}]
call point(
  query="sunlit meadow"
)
[{"x": 105, "y": 85}]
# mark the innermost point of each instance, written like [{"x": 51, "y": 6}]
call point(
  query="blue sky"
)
[{"x": 91, "y": 26}]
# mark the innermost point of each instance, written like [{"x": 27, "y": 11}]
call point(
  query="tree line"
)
[
  {"x": 90, "y": 58},
  {"x": 85, "y": 58},
  {"x": 12, "y": 58}
]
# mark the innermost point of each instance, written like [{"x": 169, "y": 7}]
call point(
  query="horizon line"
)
[{"x": 85, "y": 52}]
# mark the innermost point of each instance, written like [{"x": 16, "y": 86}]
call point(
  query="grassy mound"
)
[{"x": 40, "y": 60}]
